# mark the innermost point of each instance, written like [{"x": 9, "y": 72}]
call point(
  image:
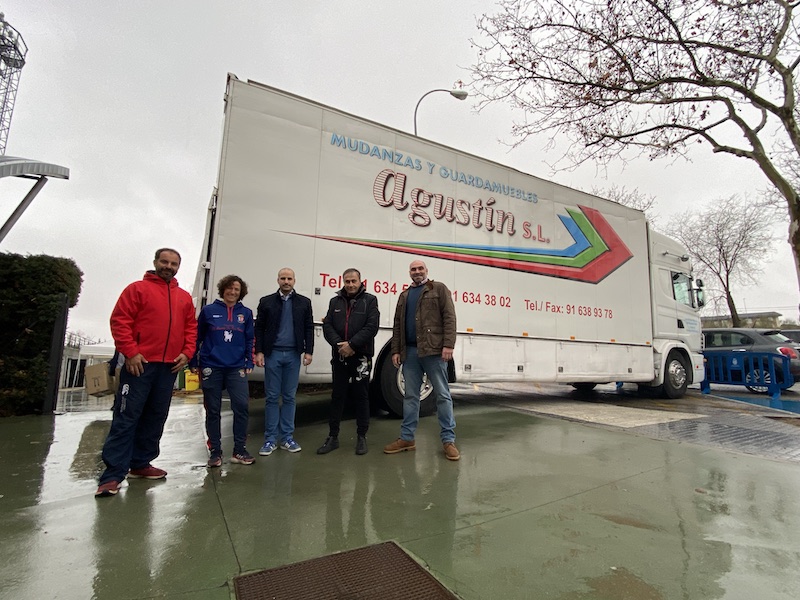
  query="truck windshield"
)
[{"x": 682, "y": 288}]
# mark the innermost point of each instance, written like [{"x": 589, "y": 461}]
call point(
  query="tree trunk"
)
[
  {"x": 735, "y": 320},
  {"x": 794, "y": 235}
]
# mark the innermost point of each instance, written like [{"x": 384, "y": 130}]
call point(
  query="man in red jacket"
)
[{"x": 154, "y": 327}]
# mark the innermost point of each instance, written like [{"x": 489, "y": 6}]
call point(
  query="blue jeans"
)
[
  {"x": 235, "y": 381},
  {"x": 436, "y": 370},
  {"x": 281, "y": 374},
  {"x": 141, "y": 407}
]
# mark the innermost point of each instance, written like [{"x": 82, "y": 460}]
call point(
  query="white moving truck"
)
[{"x": 550, "y": 284}]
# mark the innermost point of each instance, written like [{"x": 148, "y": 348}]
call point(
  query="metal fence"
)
[{"x": 758, "y": 371}]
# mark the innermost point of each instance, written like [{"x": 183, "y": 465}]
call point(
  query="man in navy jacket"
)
[{"x": 284, "y": 331}]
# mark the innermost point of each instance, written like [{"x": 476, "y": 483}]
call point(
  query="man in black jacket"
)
[
  {"x": 284, "y": 331},
  {"x": 350, "y": 328}
]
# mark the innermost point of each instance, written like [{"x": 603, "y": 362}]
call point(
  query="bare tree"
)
[
  {"x": 631, "y": 198},
  {"x": 728, "y": 240},
  {"x": 652, "y": 76},
  {"x": 786, "y": 159}
]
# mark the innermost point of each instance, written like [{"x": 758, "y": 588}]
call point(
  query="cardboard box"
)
[{"x": 98, "y": 381}]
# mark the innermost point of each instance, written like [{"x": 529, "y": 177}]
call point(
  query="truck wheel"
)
[
  {"x": 676, "y": 377},
  {"x": 393, "y": 388}
]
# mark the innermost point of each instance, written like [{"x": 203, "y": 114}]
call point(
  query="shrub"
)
[{"x": 32, "y": 289}]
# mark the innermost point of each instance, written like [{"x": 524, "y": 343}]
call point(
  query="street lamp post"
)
[{"x": 459, "y": 94}]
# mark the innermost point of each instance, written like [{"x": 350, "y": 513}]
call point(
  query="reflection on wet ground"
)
[
  {"x": 538, "y": 507},
  {"x": 77, "y": 400},
  {"x": 707, "y": 420}
]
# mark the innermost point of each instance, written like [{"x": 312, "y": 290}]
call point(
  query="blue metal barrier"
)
[{"x": 753, "y": 369}]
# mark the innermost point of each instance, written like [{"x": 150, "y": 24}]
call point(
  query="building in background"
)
[{"x": 756, "y": 319}]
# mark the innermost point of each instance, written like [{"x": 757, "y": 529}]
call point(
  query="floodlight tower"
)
[{"x": 12, "y": 59}]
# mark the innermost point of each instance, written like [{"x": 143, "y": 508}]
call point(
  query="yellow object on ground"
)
[{"x": 192, "y": 381}]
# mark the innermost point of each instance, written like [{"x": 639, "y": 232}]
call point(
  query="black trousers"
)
[{"x": 350, "y": 379}]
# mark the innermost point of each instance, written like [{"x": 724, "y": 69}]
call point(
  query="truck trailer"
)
[{"x": 550, "y": 284}]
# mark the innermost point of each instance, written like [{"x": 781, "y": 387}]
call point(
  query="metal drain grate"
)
[
  {"x": 380, "y": 572},
  {"x": 738, "y": 432}
]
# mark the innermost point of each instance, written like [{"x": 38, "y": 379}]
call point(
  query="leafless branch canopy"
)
[
  {"x": 652, "y": 76},
  {"x": 730, "y": 240},
  {"x": 627, "y": 197}
]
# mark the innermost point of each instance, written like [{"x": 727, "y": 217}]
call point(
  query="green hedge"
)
[{"x": 31, "y": 292}]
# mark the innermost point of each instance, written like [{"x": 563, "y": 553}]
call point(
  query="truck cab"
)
[{"x": 676, "y": 298}]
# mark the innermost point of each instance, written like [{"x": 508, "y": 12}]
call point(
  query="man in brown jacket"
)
[{"x": 423, "y": 339}]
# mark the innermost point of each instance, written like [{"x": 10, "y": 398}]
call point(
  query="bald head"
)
[
  {"x": 286, "y": 280},
  {"x": 418, "y": 271}
]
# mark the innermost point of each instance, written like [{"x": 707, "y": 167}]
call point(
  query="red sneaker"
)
[
  {"x": 148, "y": 472},
  {"x": 109, "y": 488}
]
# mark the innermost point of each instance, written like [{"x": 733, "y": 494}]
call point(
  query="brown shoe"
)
[
  {"x": 451, "y": 452},
  {"x": 399, "y": 445}
]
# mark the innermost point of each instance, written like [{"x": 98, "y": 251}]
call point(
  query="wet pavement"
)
[
  {"x": 738, "y": 421},
  {"x": 554, "y": 497}
]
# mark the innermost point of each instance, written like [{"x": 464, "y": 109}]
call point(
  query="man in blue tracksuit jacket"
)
[{"x": 225, "y": 337}]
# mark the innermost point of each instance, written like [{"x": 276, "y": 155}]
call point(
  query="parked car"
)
[
  {"x": 742, "y": 339},
  {"x": 792, "y": 334}
]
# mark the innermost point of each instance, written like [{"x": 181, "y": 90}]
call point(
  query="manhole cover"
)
[{"x": 380, "y": 572}]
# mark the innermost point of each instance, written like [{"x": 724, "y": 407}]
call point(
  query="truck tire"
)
[
  {"x": 676, "y": 376},
  {"x": 392, "y": 387}
]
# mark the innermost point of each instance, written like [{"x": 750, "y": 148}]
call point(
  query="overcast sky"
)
[{"x": 128, "y": 96}]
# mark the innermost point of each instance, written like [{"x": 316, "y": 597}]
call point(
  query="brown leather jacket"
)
[{"x": 436, "y": 321}]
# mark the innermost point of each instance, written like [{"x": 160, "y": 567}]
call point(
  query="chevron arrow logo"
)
[{"x": 596, "y": 251}]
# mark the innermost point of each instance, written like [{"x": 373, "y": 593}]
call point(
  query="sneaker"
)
[
  {"x": 109, "y": 488},
  {"x": 215, "y": 460},
  {"x": 450, "y": 451},
  {"x": 399, "y": 445},
  {"x": 361, "y": 445},
  {"x": 290, "y": 445},
  {"x": 148, "y": 472},
  {"x": 267, "y": 449},
  {"x": 331, "y": 443},
  {"x": 242, "y": 458}
]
